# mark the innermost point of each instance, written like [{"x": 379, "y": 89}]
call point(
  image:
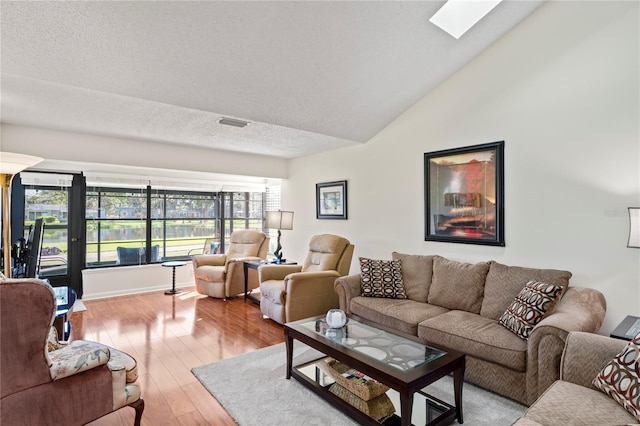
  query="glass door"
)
[{"x": 53, "y": 198}]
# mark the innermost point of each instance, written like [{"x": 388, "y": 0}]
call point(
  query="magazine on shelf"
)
[{"x": 357, "y": 377}]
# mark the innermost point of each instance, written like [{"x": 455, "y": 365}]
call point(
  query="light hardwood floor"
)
[{"x": 169, "y": 335}]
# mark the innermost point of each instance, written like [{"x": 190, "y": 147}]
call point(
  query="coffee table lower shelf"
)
[{"x": 436, "y": 412}]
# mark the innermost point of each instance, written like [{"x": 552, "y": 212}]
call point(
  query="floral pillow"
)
[
  {"x": 619, "y": 378},
  {"x": 382, "y": 278},
  {"x": 529, "y": 307}
]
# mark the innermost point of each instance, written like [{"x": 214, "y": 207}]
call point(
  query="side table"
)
[
  {"x": 65, "y": 298},
  {"x": 255, "y": 264},
  {"x": 627, "y": 329},
  {"x": 174, "y": 264}
]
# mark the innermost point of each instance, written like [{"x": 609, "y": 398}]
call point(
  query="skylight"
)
[{"x": 456, "y": 17}]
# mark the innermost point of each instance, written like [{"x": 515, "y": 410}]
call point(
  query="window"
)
[
  {"x": 116, "y": 223},
  {"x": 242, "y": 210},
  {"x": 272, "y": 203},
  {"x": 181, "y": 222},
  {"x": 52, "y": 205},
  {"x": 122, "y": 231}
]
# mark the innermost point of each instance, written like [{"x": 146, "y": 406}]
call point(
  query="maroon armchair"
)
[{"x": 44, "y": 382}]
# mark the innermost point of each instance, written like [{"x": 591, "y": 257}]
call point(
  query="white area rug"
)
[{"x": 253, "y": 389}]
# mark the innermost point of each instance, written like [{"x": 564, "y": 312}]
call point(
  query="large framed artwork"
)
[
  {"x": 464, "y": 195},
  {"x": 331, "y": 200}
]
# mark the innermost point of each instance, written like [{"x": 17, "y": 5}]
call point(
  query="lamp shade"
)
[
  {"x": 280, "y": 220},
  {"x": 634, "y": 227},
  {"x": 12, "y": 163}
]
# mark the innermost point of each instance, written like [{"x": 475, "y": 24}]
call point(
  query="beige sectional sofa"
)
[
  {"x": 458, "y": 305},
  {"x": 573, "y": 400}
]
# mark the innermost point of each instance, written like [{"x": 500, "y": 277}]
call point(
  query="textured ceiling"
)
[{"x": 309, "y": 76}]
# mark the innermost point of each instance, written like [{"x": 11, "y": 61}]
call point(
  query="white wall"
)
[
  {"x": 78, "y": 147},
  {"x": 562, "y": 91},
  {"x": 109, "y": 282}
]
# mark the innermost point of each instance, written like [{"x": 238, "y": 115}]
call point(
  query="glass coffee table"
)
[{"x": 401, "y": 362}]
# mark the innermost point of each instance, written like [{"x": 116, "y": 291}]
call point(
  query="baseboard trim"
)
[{"x": 128, "y": 292}]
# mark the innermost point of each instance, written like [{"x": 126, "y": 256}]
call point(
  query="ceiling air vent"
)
[{"x": 233, "y": 122}]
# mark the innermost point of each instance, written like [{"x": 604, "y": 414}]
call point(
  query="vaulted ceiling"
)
[{"x": 308, "y": 76}]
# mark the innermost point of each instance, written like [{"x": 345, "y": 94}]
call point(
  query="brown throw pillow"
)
[
  {"x": 382, "y": 278},
  {"x": 457, "y": 285},
  {"x": 529, "y": 307},
  {"x": 619, "y": 378}
]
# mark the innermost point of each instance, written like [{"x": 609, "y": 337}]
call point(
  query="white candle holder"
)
[{"x": 336, "y": 318}]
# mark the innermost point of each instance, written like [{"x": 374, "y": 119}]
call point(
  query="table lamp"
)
[
  {"x": 279, "y": 220},
  {"x": 10, "y": 165}
]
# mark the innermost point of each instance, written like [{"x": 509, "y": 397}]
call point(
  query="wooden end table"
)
[
  {"x": 65, "y": 298},
  {"x": 255, "y": 264},
  {"x": 627, "y": 329}
]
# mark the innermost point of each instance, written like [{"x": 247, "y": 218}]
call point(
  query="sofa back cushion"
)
[
  {"x": 457, "y": 285},
  {"x": 504, "y": 283},
  {"x": 416, "y": 274}
]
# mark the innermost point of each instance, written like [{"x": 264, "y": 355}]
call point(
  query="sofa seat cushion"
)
[
  {"x": 273, "y": 290},
  {"x": 565, "y": 403},
  {"x": 400, "y": 314},
  {"x": 476, "y": 336}
]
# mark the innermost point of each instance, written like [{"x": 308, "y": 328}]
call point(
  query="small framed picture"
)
[{"x": 331, "y": 200}]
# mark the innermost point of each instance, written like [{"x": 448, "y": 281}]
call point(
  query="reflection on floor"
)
[{"x": 169, "y": 335}]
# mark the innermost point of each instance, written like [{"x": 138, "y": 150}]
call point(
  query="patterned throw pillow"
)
[
  {"x": 382, "y": 278},
  {"x": 619, "y": 378},
  {"x": 529, "y": 307}
]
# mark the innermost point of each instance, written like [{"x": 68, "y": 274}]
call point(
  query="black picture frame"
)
[
  {"x": 464, "y": 195},
  {"x": 331, "y": 200}
]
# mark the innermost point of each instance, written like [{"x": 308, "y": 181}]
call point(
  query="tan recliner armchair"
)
[
  {"x": 292, "y": 292},
  {"x": 222, "y": 275}
]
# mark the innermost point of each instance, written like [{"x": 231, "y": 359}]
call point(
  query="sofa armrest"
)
[
  {"x": 309, "y": 294},
  {"x": 580, "y": 309},
  {"x": 585, "y": 354},
  {"x": 77, "y": 357},
  {"x": 347, "y": 288},
  {"x": 272, "y": 271},
  {"x": 209, "y": 260}
]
